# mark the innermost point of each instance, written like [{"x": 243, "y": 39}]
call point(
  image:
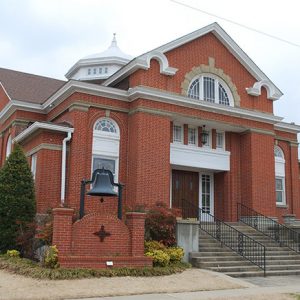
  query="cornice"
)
[
  {"x": 39, "y": 125},
  {"x": 176, "y": 99}
]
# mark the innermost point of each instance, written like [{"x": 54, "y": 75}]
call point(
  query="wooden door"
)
[{"x": 185, "y": 192}]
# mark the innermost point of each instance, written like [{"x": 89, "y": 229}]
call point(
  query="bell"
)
[{"x": 102, "y": 185}]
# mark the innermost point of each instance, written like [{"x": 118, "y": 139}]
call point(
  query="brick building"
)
[{"x": 191, "y": 120}]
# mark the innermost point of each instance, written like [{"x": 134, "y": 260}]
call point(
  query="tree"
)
[{"x": 17, "y": 199}]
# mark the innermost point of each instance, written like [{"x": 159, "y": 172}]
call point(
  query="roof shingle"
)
[{"x": 28, "y": 87}]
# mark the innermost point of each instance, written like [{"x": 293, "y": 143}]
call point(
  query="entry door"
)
[
  {"x": 207, "y": 195},
  {"x": 185, "y": 192}
]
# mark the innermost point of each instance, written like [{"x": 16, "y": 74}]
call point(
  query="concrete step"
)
[
  {"x": 225, "y": 269},
  {"x": 221, "y": 263},
  {"x": 282, "y": 267}
]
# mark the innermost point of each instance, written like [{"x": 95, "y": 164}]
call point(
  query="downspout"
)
[{"x": 63, "y": 168}]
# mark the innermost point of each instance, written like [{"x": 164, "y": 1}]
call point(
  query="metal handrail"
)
[
  {"x": 227, "y": 235},
  {"x": 281, "y": 234}
]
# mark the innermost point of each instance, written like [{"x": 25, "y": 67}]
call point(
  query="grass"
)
[{"x": 29, "y": 268}]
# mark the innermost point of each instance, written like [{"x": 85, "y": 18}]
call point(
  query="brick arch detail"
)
[{"x": 210, "y": 68}]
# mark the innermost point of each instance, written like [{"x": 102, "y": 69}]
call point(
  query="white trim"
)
[
  {"x": 8, "y": 146},
  {"x": 182, "y": 133},
  {"x": 63, "y": 167},
  {"x": 288, "y": 127},
  {"x": 73, "y": 86},
  {"x": 212, "y": 198},
  {"x": 33, "y": 165},
  {"x": 163, "y": 62},
  {"x": 6, "y": 93},
  {"x": 278, "y": 204},
  {"x": 39, "y": 125},
  {"x": 272, "y": 94},
  {"x": 176, "y": 99},
  {"x": 218, "y": 31}
]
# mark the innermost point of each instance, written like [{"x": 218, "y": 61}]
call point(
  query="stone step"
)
[
  {"x": 218, "y": 258},
  {"x": 205, "y": 254},
  {"x": 243, "y": 268},
  {"x": 282, "y": 267},
  {"x": 221, "y": 263}
]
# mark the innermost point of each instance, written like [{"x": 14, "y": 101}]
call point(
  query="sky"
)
[{"x": 46, "y": 37}]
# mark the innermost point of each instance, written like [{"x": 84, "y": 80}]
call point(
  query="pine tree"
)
[{"x": 17, "y": 198}]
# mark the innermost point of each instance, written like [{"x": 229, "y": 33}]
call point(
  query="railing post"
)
[{"x": 241, "y": 244}]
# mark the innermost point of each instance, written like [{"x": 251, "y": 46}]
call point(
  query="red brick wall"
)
[
  {"x": 257, "y": 172},
  {"x": 3, "y": 97},
  {"x": 79, "y": 246},
  {"x": 199, "y": 50},
  {"x": 148, "y": 159}
]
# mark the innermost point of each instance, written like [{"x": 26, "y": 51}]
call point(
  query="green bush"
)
[
  {"x": 51, "y": 258},
  {"x": 26, "y": 267},
  {"x": 176, "y": 254},
  {"x": 13, "y": 253},
  {"x": 160, "y": 258},
  {"x": 153, "y": 245},
  {"x": 162, "y": 255},
  {"x": 17, "y": 200}
]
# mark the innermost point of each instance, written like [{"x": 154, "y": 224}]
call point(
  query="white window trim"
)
[
  {"x": 8, "y": 146},
  {"x": 223, "y": 146},
  {"x": 196, "y": 136},
  {"x": 217, "y": 81},
  {"x": 103, "y": 137},
  {"x": 182, "y": 133},
  {"x": 283, "y": 203},
  {"x": 116, "y": 159},
  {"x": 33, "y": 165}
]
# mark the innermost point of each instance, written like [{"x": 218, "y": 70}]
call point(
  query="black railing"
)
[
  {"x": 227, "y": 235},
  {"x": 283, "y": 235}
]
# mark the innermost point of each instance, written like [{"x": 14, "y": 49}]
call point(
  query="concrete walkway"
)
[{"x": 275, "y": 288}]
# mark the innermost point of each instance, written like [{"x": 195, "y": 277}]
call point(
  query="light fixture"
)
[{"x": 204, "y": 136}]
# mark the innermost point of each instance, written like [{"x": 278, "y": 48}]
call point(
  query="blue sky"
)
[{"x": 47, "y": 37}]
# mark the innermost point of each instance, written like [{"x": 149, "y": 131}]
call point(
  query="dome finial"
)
[{"x": 114, "y": 41}]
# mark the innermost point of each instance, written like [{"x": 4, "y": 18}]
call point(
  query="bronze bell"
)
[{"x": 102, "y": 184}]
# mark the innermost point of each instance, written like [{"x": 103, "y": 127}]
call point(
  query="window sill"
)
[{"x": 281, "y": 206}]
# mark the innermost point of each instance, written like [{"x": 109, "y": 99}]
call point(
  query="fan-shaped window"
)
[
  {"x": 278, "y": 152},
  {"x": 106, "y": 125},
  {"x": 211, "y": 89}
]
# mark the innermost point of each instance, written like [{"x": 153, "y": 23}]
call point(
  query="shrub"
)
[
  {"x": 51, "y": 258},
  {"x": 160, "y": 258},
  {"x": 153, "y": 245},
  {"x": 175, "y": 253},
  {"x": 13, "y": 253},
  {"x": 160, "y": 224},
  {"x": 17, "y": 199}
]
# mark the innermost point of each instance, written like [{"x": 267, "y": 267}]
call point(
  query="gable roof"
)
[
  {"x": 28, "y": 87},
  {"x": 219, "y": 32}
]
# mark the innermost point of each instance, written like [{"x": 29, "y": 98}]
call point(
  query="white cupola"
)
[{"x": 98, "y": 67}]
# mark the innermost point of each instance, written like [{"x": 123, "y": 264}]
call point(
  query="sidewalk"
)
[
  {"x": 259, "y": 288},
  {"x": 257, "y": 293}
]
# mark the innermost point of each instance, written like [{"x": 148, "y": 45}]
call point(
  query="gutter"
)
[{"x": 63, "y": 168}]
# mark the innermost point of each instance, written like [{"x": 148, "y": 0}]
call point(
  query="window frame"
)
[
  {"x": 217, "y": 81},
  {"x": 181, "y": 133},
  {"x": 196, "y": 136},
  {"x": 33, "y": 165},
  {"x": 107, "y": 140},
  {"x": 223, "y": 140},
  {"x": 283, "y": 202}
]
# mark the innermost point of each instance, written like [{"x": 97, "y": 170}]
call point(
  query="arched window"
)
[
  {"x": 8, "y": 146},
  {"x": 210, "y": 88},
  {"x": 106, "y": 125},
  {"x": 279, "y": 176},
  {"x": 106, "y": 144}
]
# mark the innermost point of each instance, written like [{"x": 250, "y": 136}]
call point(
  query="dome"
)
[
  {"x": 99, "y": 66},
  {"x": 112, "y": 51}
]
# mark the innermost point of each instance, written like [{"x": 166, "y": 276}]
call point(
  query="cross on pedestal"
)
[{"x": 102, "y": 234}]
